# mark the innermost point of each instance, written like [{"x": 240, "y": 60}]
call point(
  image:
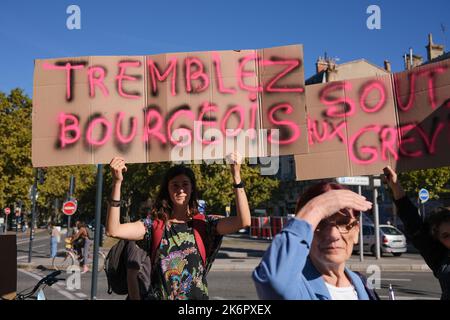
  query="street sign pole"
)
[
  {"x": 376, "y": 220},
  {"x": 71, "y": 191},
  {"x": 423, "y": 211},
  {"x": 33, "y": 213},
  {"x": 424, "y": 196},
  {"x": 361, "y": 246},
  {"x": 357, "y": 181},
  {"x": 17, "y": 217},
  {"x": 98, "y": 211}
]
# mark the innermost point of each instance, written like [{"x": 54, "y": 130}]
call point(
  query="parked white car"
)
[{"x": 392, "y": 240}]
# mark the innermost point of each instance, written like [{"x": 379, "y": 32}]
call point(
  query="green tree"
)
[
  {"x": 16, "y": 174},
  {"x": 434, "y": 180},
  {"x": 56, "y": 186},
  {"x": 215, "y": 186}
]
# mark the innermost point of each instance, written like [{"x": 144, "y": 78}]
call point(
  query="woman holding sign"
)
[
  {"x": 181, "y": 243},
  {"x": 431, "y": 238}
]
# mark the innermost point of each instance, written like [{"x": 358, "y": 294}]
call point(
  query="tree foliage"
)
[
  {"x": 434, "y": 180},
  {"x": 215, "y": 185},
  {"x": 16, "y": 173}
]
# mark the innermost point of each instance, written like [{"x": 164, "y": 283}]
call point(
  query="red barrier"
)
[
  {"x": 267, "y": 227},
  {"x": 276, "y": 224},
  {"x": 255, "y": 227}
]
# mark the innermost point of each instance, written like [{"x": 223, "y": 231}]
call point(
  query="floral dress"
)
[{"x": 179, "y": 271}]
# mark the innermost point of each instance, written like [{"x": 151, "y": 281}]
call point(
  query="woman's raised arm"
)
[
  {"x": 128, "y": 231},
  {"x": 243, "y": 218}
]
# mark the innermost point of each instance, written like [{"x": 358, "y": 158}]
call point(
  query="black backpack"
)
[
  {"x": 121, "y": 256},
  {"x": 116, "y": 268}
]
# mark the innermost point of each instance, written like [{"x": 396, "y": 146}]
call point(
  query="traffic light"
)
[{"x": 41, "y": 176}]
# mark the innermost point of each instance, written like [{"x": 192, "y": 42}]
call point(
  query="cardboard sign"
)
[
  {"x": 357, "y": 127},
  {"x": 195, "y": 106},
  {"x": 164, "y": 107}
]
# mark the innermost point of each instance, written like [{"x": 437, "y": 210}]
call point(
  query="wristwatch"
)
[{"x": 239, "y": 185}]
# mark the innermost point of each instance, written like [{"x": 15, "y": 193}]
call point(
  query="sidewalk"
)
[{"x": 242, "y": 253}]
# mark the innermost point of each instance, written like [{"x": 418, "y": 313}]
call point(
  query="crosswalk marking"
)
[
  {"x": 409, "y": 298},
  {"x": 387, "y": 279}
]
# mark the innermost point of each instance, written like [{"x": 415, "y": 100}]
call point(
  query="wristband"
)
[
  {"x": 239, "y": 185},
  {"x": 115, "y": 203}
]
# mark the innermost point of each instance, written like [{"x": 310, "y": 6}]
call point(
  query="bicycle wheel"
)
[{"x": 63, "y": 260}]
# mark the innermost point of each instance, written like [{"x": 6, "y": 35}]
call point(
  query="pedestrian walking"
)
[{"x": 54, "y": 235}]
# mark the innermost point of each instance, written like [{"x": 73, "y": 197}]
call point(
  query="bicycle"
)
[
  {"x": 69, "y": 257},
  {"x": 37, "y": 293}
]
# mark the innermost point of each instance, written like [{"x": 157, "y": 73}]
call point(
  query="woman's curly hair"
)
[{"x": 163, "y": 206}]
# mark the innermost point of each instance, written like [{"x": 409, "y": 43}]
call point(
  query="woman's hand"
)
[
  {"x": 391, "y": 178},
  {"x": 242, "y": 219},
  {"x": 235, "y": 160},
  {"x": 117, "y": 164},
  {"x": 329, "y": 203}
]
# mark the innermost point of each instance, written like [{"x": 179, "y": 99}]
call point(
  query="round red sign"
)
[
  {"x": 69, "y": 208},
  {"x": 7, "y": 211}
]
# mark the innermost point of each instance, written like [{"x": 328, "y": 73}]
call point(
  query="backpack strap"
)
[
  {"x": 199, "y": 227},
  {"x": 157, "y": 234}
]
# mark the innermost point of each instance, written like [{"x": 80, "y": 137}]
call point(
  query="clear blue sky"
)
[{"x": 37, "y": 29}]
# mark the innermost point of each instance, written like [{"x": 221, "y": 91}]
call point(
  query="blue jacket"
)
[{"x": 286, "y": 272}]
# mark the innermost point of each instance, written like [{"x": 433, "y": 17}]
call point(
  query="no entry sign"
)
[{"x": 69, "y": 208}]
